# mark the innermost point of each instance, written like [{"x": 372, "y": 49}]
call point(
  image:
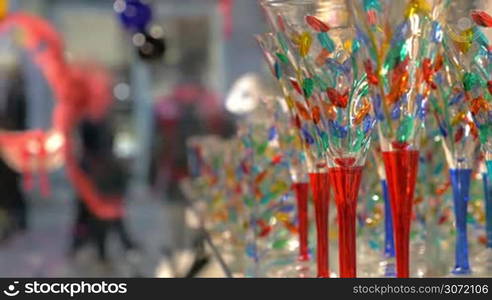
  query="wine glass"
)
[
  {"x": 401, "y": 39},
  {"x": 322, "y": 38}
]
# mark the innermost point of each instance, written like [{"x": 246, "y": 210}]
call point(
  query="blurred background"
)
[
  {"x": 173, "y": 67},
  {"x": 140, "y": 78}
]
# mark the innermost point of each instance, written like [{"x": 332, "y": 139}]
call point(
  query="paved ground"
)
[
  {"x": 42, "y": 250},
  {"x": 157, "y": 226}
]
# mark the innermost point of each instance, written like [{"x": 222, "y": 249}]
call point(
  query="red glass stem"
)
[
  {"x": 401, "y": 172},
  {"x": 321, "y": 195},
  {"x": 346, "y": 183},
  {"x": 302, "y": 194}
]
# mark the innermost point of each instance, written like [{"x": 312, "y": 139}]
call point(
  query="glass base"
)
[
  {"x": 419, "y": 267},
  {"x": 300, "y": 269},
  {"x": 483, "y": 263},
  {"x": 387, "y": 268},
  {"x": 461, "y": 271},
  {"x": 453, "y": 275},
  {"x": 367, "y": 261}
]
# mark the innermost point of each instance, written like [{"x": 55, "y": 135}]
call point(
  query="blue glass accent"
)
[
  {"x": 395, "y": 113},
  {"x": 389, "y": 242},
  {"x": 378, "y": 107},
  {"x": 457, "y": 98},
  {"x": 460, "y": 181},
  {"x": 136, "y": 16},
  {"x": 369, "y": 123},
  {"x": 422, "y": 108},
  {"x": 390, "y": 270},
  {"x": 400, "y": 32},
  {"x": 278, "y": 70},
  {"x": 437, "y": 33},
  {"x": 272, "y": 133},
  {"x": 487, "y": 189},
  {"x": 442, "y": 129},
  {"x": 361, "y": 36},
  {"x": 338, "y": 130},
  {"x": 307, "y": 136}
]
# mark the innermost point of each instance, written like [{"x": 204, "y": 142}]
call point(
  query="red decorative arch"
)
[{"x": 81, "y": 91}]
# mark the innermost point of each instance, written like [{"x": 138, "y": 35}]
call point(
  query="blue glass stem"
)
[
  {"x": 389, "y": 242},
  {"x": 489, "y": 168},
  {"x": 460, "y": 180},
  {"x": 487, "y": 190}
]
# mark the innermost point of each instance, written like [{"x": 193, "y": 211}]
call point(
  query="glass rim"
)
[
  {"x": 285, "y": 4},
  {"x": 274, "y": 3}
]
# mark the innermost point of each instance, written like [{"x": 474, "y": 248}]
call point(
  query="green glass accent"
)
[
  {"x": 246, "y": 142},
  {"x": 337, "y": 142},
  {"x": 373, "y": 54},
  {"x": 326, "y": 42},
  {"x": 489, "y": 168},
  {"x": 279, "y": 187},
  {"x": 320, "y": 83},
  {"x": 359, "y": 141},
  {"x": 233, "y": 215},
  {"x": 267, "y": 215},
  {"x": 262, "y": 148},
  {"x": 365, "y": 89},
  {"x": 372, "y": 5},
  {"x": 249, "y": 201},
  {"x": 435, "y": 105},
  {"x": 267, "y": 198},
  {"x": 308, "y": 87},
  {"x": 484, "y": 133},
  {"x": 405, "y": 130},
  {"x": 482, "y": 82},
  {"x": 373, "y": 244},
  {"x": 282, "y": 57},
  {"x": 278, "y": 70},
  {"x": 283, "y": 42},
  {"x": 404, "y": 50},
  {"x": 393, "y": 57},
  {"x": 328, "y": 77},
  {"x": 355, "y": 69},
  {"x": 480, "y": 37},
  {"x": 302, "y": 157},
  {"x": 446, "y": 94},
  {"x": 324, "y": 140},
  {"x": 355, "y": 46},
  {"x": 470, "y": 80},
  {"x": 424, "y": 48},
  {"x": 439, "y": 168},
  {"x": 279, "y": 244},
  {"x": 289, "y": 139}
]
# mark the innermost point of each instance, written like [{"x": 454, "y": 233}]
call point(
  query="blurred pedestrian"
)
[
  {"x": 13, "y": 118},
  {"x": 110, "y": 175}
]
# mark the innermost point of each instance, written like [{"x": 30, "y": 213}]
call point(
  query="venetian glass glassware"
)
[
  {"x": 401, "y": 39},
  {"x": 322, "y": 38}
]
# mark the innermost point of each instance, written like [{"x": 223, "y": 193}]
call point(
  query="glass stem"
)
[
  {"x": 460, "y": 180},
  {"x": 346, "y": 183},
  {"x": 401, "y": 171},
  {"x": 321, "y": 195},
  {"x": 389, "y": 242},
  {"x": 487, "y": 190},
  {"x": 302, "y": 195}
]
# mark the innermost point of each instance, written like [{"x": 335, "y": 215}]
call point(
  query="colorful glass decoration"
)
[
  {"x": 279, "y": 57},
  {"x": 400, "y": 42},
  {"x": 323, "y": 42}
]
